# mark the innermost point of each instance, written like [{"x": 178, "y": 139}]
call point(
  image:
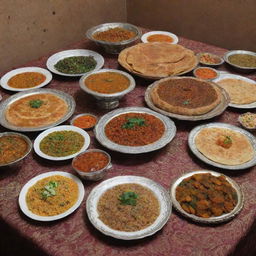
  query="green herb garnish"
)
[
  {"x": 128, "y": 198},
  {"x": 76, "y": 64},
  {"x": 134, "y": 121},
  {"x": 227, "y": 140},
  {"x": 35, "y": 103},
  {"x": 186, "y": 102},
  {"x": 49, "y": 190}
]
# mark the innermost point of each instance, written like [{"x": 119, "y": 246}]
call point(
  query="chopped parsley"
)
[
  {"x": 49, "y": 190},
  {"x": 128, "y": 198},
  {"x": 186, "y": 102},
  {"x": 35, "y": 103},
  {"x": 227, "y": 140},
  {"x": 134, "y": 121}
]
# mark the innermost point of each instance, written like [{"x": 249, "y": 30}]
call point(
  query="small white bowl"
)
[
  {"x": 144, "y": 37},
  {"x": 209, "y": 79},
  {"x": 42, "y": 135},
  {"x": 4, "y": 80},
  {"x": 94, "y": 175}
]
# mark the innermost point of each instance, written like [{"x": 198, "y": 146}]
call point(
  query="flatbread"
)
[
  {"x": 240, "y": 91},
  {"x": 159, "y": 59},
  {"x": 240, "y": 151},
  {"x": 186, "y": 96},
  {"x": 21, "y": 114}
]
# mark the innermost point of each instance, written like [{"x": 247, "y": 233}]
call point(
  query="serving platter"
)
[
  {"x": 160, "y": 193},
  {"x": 30, "y": 183},
  {"x": 45, "y": 133},
  {"x": 218, "y": 110},
  {"x": 5, "y": 104},
  {"x": 169, "y": 133},
  {"x": 210, "y": 220},
  {"x": 55, "y": 58},
  {"x": 194, "y": 132},
  {"x": 237, "y": 77},
  {"x": 4, "y": 80}
]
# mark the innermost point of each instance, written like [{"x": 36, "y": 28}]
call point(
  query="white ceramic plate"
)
[
  {"x": 4, "y": 80},
  {"x": 24, "y": 190},
  {"x": 173, "y": 36},
  {"x": 237, "y": 77},
  {"x": 161, "y": 194},
  {"x": 61, "y": 128},
  {"x": 211, "y": 220},
  {"x": 71, "y": 53}
]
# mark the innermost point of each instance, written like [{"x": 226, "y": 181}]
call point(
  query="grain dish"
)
[
  {"x": 159, "y": 193},
  {"x": 36, "y": 110},
  {"x": 52, "y": 196},
  {"x": 224, "y": 146},
  {"x": 128, "y": 207},
  {"x": 157, "y": 60},
  {"x": 185, "y": 96}
]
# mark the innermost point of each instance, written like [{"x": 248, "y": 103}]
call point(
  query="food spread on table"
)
[{"x": 132, "y": 207}]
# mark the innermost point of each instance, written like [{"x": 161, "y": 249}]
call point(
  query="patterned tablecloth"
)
[{"x": 74, "y": 235}]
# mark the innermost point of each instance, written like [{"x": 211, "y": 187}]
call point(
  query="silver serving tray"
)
[
  {"x": 211, "y": 220},
  {"x": 237, "y": 77},
  {"x": 99, "y": 130},
  {"x": 239, "y": 68},
  {"x": 160, "y": 192},
  {"x": 5, "y": 104},
  {"x": 218, "y": 110},
  {"x": 192, "y": 145}
]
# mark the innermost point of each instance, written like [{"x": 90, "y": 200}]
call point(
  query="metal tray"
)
[
  {"x": 192, "y": 145},
  {"x": 5, "y": 104},
  {"x": 237, "y": 77},
  {"x": 211, "y": 220},
  {"x": 99, "y": 130},
  {"x": 161, "y": 194},
  {"x": 219, "y": 109}
]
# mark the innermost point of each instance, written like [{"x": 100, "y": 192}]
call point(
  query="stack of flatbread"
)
[{"x": 157, "y": 60}]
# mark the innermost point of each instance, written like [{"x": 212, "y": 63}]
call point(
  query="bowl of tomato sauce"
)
[{"x": 92, "y": 164}]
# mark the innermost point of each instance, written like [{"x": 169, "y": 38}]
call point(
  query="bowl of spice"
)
[
  {"x": 248, "y": 120},
  {"x": 92, "y": 164},
  {"x": 205, "y": 73},
  {"x": 75, "y": 62},
  {"x": 159, "y": 36},
  {"x": 108, "y": 86},
  {"x": 209, "y": 59},
  {"x": 84, "y": 121},
  {"x": 244, "y": 61},
  {"x": 13, "y": 148},
  {"x": 114, "y": 37}
]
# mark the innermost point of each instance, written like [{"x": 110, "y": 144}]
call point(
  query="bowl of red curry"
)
[
  {"x": 92, "y": 164},
  {"x": 114, "y": 37},
  {"x": 13, "y": 148}
]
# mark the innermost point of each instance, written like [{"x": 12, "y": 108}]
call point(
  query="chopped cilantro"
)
[{"x": 128, "y": 198}]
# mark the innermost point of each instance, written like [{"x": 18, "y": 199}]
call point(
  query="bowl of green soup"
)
[{"x": 241, "y": 60}]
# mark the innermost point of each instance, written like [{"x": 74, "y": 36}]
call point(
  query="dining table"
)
[{"x": 74, "y": 235}]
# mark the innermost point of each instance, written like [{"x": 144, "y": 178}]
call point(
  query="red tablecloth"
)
[{"x": 74, "y": 235}]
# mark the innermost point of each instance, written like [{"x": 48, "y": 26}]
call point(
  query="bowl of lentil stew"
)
[
  {"x": 205, "y": 73},
  {"x": 92, "y": 164},
  {"x": 84, "y": 121},
  {"x": 114, "y": 37},
  {"x": 108, "y": 86},
  {"x": 191, "y": 201},
  {"x": 241, "y": 60},
  {"x": 61, "y": 142},
  {"x": 13, "y": 148}
]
